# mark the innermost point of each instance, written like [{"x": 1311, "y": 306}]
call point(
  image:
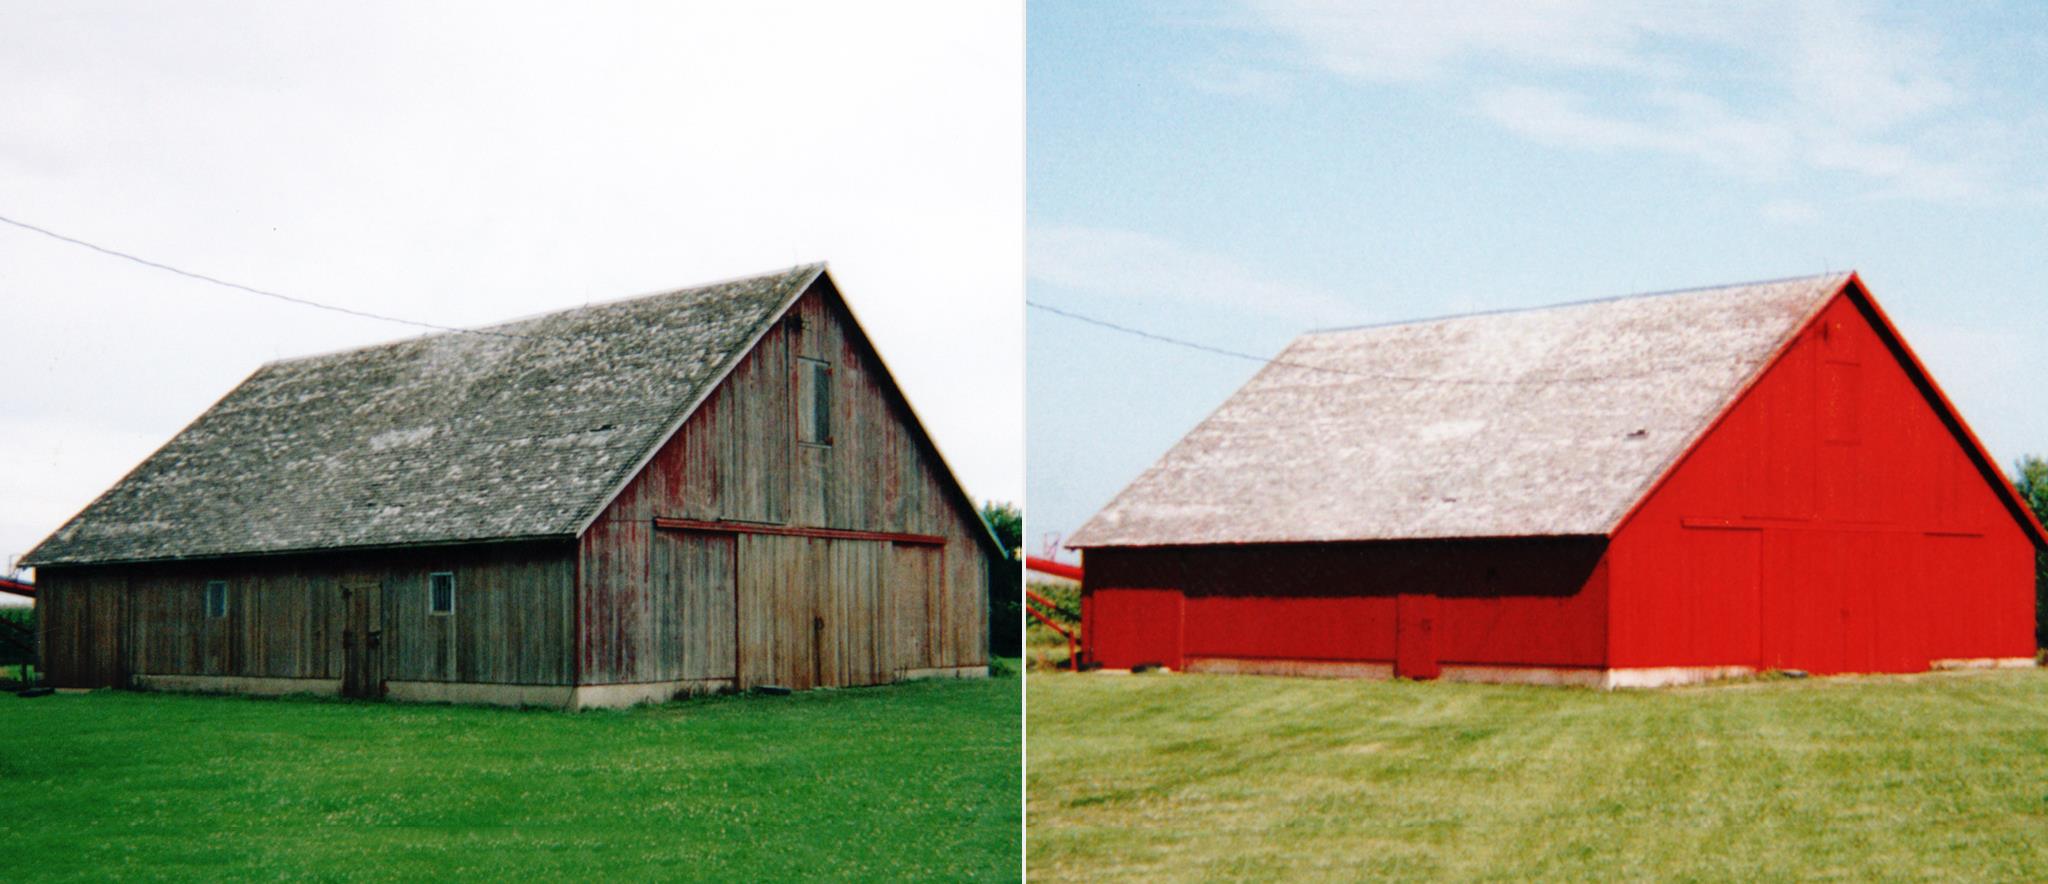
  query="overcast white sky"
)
[{"x": 462, "y": 164}]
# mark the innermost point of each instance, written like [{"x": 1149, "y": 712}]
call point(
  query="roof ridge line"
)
[
  {"x": 543, "y": 314},
  {"x": 1584, "y": 302}
]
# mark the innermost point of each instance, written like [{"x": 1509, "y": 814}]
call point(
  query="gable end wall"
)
[
  {"x": 1831, "y": 522},
  {"x": 661, "y": 605}
]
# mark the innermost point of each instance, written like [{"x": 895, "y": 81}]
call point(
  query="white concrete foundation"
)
[
  {"x": 1670, "y": 676},
  {"x": 234, "y": 684},
  {"x": 621, "y": 696},
  {"x": 1984, "y": 663}
]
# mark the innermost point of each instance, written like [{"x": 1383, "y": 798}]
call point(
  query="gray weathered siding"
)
[
  {"x": 809, "y": 610},
  {"x": 513, "y": 621}
]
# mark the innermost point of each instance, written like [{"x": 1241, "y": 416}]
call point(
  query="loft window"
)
[
  {"x": 441, "y": 592},
  {"x": 216, "y": 598},
  {"x": 814, "y": 401}
]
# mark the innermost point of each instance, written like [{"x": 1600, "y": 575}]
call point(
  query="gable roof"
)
[
  {"x": 1545, "y": 422},
  {"x": 523, "y": 430}
]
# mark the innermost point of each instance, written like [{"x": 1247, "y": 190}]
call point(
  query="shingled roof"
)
[
  {"x": 1546, "y": 422},
  {"x": 520, "y": 430}
]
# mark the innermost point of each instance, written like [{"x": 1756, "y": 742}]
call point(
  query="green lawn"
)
[
  {"x": 1178, "y": 777},
  {"x": 917, "y": 780}
]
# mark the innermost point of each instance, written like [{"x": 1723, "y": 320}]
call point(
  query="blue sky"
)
[{"x": 1236, "y": 172}]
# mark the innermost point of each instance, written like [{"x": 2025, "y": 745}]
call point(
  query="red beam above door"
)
[{"x": 791, "y": 531}]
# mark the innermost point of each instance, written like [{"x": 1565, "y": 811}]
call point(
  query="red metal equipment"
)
[
  {"x": 1073, "y": 656},
  {"x": 1056, "y": 569},
  {"x": 17, "y": 587}
]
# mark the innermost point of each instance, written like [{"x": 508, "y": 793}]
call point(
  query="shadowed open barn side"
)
[
  {"x": 717, "y": 488},
  {"x": 1635, "y": 491}
]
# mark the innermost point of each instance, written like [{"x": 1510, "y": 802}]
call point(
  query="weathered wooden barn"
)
[
  {"x": 1637, "y": 491},
  {"x": 710, "y": 489}
]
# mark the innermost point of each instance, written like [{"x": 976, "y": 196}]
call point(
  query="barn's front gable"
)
[
  {"x": 1839, "y": 517},
  {"x": 799, "y": 529}
]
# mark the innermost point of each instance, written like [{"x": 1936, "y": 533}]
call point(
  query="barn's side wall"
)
[
  {"x": 668, "y": 606},
  {"x": 104, "y": 626},
  {"x": 1300, "y": 608},
  {"x": 1832, "y": 522}
]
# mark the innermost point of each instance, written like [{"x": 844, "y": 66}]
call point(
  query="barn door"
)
[
  {"x": 362, "y": 642},
  {"x": 698, "y": 572},
  {"x": 1415, "y": 636},
  {"x": 778, "y": 623}
]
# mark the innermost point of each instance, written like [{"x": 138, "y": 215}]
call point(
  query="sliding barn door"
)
[{"x": 696, "y": 576}]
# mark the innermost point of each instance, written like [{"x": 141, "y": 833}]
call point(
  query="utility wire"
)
[
  {"x": 246, "y": 288},
  {"x": 1266, "y": 360}
]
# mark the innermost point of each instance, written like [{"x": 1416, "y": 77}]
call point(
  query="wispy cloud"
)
[
  {"x": 1790, "y": 212},
  {"x": 1128, "y": 264},
  {"x": 1753, "y": 89}
]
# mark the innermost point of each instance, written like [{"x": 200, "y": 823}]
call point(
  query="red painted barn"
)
[{"x": 1637, "y": 491}]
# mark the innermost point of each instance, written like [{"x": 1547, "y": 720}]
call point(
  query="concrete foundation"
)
[
  {"x": 1304, "y": 668},
  {"x": 1564, "y": 676},
  {"x": 553, "y": 696},
  {"x": 572, "y": 697},
  {"x": 1985, "y": 663}
]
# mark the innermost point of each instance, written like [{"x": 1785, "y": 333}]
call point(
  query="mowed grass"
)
[
  {"x": 1190, "y": 777},
  {"x": 919, "y": 780}
]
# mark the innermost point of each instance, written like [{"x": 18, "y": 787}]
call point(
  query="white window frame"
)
[
  {"x": 217, "y": 611},
  {"x": 816, "y": 380},
  {"x": 432, "y": 611}
]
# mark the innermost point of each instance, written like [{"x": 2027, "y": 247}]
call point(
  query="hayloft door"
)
[
  {"x": 362, "y": 641},
  {"x": 1415, "y": 636}
]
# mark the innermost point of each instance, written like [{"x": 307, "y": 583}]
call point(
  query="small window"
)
[
  {"x": 216, "y": 598},
  {"x": 441, "y": 593},
  {"x": 814, "y": 401}
]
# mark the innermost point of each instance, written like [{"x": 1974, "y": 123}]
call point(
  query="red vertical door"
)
[
  {"x": 1135, "y": 627},
  {"x": 1415, "y": 636}
]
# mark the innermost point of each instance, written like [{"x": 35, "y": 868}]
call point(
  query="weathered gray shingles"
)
[
  {"x": 435, "y": 439},
  {"x": 1498, "y": 425}
]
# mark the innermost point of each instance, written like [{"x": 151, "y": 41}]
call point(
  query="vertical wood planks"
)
[{"x": 808, "y": 610}]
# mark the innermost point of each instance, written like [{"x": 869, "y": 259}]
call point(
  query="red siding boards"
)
[
  {"x": 1505, "y": 602},
  {"x": 1836, "y": 516}
]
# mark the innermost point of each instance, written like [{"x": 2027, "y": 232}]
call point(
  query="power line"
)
[
  {"x": 158, "y": 265},
  {"x": 1266, "y": 360}
]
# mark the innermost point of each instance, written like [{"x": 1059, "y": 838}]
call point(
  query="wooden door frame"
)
[
  {"x": 369, "y": 640},
  {"x": 1422, "y": 609}
]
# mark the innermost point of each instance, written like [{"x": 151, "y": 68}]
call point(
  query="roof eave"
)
[
  {"x": 1327, "y": 541},
  {"x": 300, "y": 551}
]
